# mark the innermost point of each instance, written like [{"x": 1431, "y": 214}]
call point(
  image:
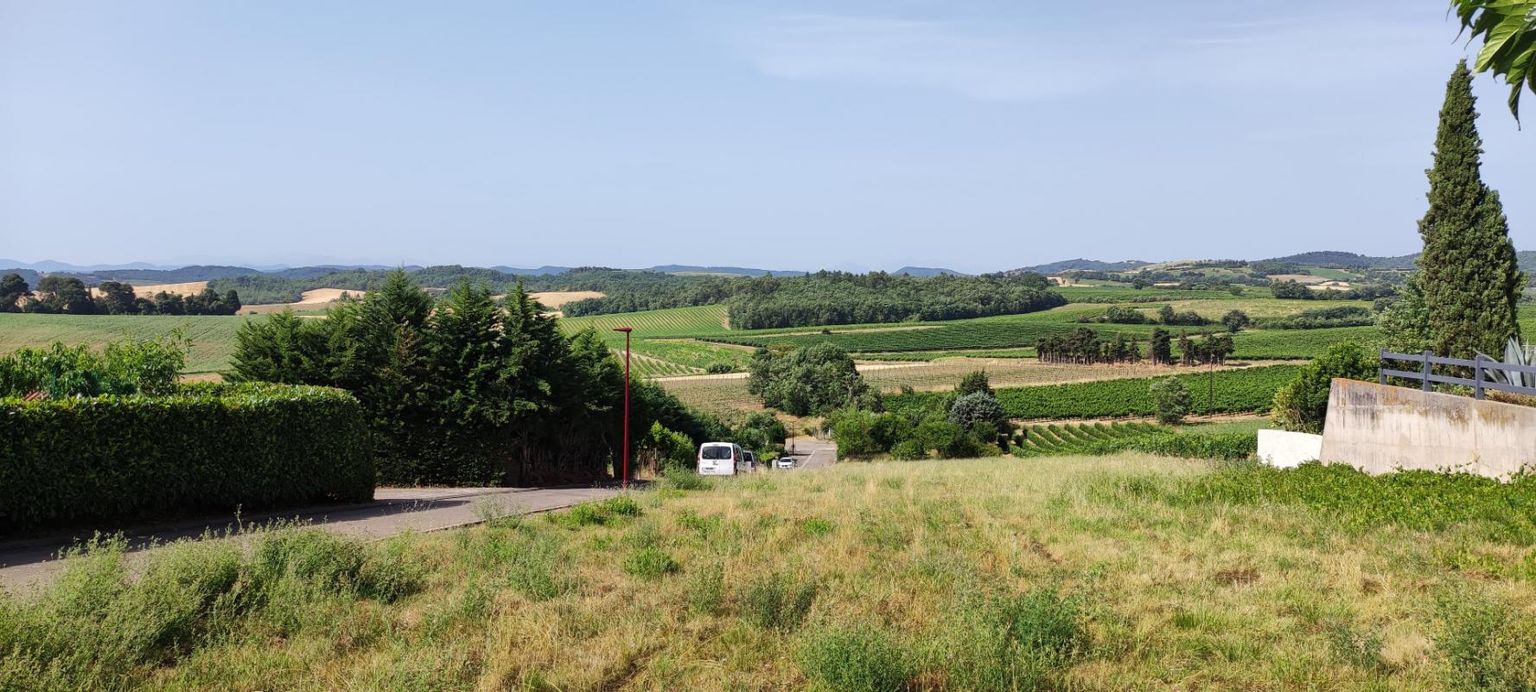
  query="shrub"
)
[
  {"x": 130, "y": 367},
  {"x": 1016, "y": 643},
  {"x": 854, "y": 658},
  {"x": 706, "y": 589},
  {"x": 1489, "y": 645},
  {"x": 777, "y": 602},
  {"x": 1228, "y": 446},
  {"x": 720, "y": 368},
  {"x": 1236, "y": 320},
  {"x": 684, "y": 479},
  {"x": 1170, "y": 399},
  {"x": 978, "y": 407},
  {"x": 1302, "y": 405},
  {"x": 597, "y": 513},
  {"x": 214, "y": 447},
  {"x": 650, "y": 562},
  {"x": 909, "y": 450},
  {"x": 973, "y": 382}
]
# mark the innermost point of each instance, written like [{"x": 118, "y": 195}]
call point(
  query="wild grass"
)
[{"x": 1124, "y": 572}]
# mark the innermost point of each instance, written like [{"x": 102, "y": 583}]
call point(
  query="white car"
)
[
  {"x": 784, "y": 463},
  {"x": 720, "y": 458}
]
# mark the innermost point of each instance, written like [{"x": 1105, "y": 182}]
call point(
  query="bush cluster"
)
[
  {"x": 210, "y": 447},
  {"x": 1302, "y": 404},
  {"x": 129, "y": 367},
  {"x": 966, "y": 423}
]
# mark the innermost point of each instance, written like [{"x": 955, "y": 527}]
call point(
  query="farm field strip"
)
[
  {"x": 1243, "y": 390},
  {"x": 211, "y": 337},
  {"x": 943, "y": 375}
]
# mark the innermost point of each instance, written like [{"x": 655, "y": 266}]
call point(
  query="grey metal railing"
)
[{"x": 1481, "y": 368}]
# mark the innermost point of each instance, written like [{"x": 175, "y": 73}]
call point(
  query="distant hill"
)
[
  {"x": 1083, "y": 264},
  {"x": 541, "y": 271},
  {"x": 1347, "y": 260},
  {"x": 928, "y": 271},
  {"x": 27, "y": 275},
  {"x": 734, "y": 271},
  {"x": 50, "y": 266}
]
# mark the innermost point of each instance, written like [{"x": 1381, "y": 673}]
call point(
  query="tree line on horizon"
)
[{"x": 69, "y": 295}]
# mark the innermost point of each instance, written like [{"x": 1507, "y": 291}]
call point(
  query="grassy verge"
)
[{"x": 1109, "y": 573}]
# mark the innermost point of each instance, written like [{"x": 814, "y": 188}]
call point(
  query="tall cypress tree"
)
[{"x": 1468, "y": 272}]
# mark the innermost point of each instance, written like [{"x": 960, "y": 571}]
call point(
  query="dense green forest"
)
[
  {"x": 827, "y": 298},
  {"x": 650, "y": 289}
]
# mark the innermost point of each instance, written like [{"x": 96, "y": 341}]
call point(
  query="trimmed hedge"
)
[{"x": 206, "y": 447}]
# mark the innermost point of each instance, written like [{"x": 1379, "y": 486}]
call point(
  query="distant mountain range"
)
[
  {"x": 1080, "y": 264},
  {"x": 144, "y": 272},
  {"x": 928, "y": 271}
]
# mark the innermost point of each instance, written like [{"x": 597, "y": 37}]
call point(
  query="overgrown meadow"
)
[{"x": 1107, "y": 573}]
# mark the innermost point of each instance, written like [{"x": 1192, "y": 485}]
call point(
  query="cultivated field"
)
[
  {"x": 211, "y": 337},
  {"x": 313, "y": 300},
  {"x": 554, "y": 300},
  {"x": 1128, "y": 572}
]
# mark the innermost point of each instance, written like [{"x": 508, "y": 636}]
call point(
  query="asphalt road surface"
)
[
  {"x": 811, "y": 453},
  {"x": 26, "y": 563}
]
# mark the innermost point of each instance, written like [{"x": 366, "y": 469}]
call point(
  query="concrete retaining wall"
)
[
  {"x": 1287, "y": 449},
  {"x": 1380, "y": 428}
]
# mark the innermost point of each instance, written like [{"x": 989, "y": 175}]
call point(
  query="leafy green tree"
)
[
  {"x": 1162, "y": 347},
  {"x": 1236, "y": 321},
  {"x": 283, "y": 348},
  {"x": 1508, "y": 30},
  {"x": 1405, "y": 322},
  {"x": 1302, "y": 405},
  {"x": 170, "y": 304},
  {"x": 1171, "y": 400},
  {"x": 469, "y": 393},
  {"x": 65, "y": 294},
  {"x": 973, "y": 382},
  {"x": 117, "y": 298},
  {"x": 806, "y": 381},
  {"x": 12, "y": 289},
  {"x": 1468, "y": 271},
  {"x": 979, "y": 407}
]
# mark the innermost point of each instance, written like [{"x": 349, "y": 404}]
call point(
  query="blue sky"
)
[{"x": 974, "y": 135}]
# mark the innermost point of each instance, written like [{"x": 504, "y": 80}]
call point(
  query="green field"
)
[
  {"x": 211, "y": 337},
  {"x": 684, "y": 341},
  {"x": 1245, "y": 390}
]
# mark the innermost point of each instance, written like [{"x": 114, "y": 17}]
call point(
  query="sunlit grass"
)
[{"x": 1108, "y": 573}]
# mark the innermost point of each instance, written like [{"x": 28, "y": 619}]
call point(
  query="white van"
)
[{"x": 719, "y": 458}]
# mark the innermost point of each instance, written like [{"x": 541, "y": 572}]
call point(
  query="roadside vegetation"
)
[{"x": 1000, "y": 574}]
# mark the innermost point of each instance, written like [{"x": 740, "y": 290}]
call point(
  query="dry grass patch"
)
[{"x": 1105, "y": 573}]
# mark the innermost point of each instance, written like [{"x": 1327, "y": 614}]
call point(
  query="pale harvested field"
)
[
  {"x": 311, "y": 300},
  {"x": 189, "y": 288},
  {"x": 554, "y": 300}
]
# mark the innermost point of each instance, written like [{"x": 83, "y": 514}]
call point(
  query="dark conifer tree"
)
[{"x": 1467, "y": 272}]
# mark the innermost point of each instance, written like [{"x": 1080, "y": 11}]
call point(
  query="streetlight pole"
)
[{"x": 626, "y": 331}]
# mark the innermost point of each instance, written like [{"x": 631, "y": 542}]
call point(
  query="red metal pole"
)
[{"x": 626, "y": 409}]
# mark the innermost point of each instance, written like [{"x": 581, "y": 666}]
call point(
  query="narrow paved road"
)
[
  {"x": 811, "y": 453},
  {"x": 26, "y": 563}
]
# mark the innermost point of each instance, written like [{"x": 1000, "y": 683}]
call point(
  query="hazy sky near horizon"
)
[{"x": 978, "y": 135}]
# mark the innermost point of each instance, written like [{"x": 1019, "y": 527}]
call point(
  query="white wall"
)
[
  {"x": 1380, "y": 428},
  {"x": 1287, "y": 449}
]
